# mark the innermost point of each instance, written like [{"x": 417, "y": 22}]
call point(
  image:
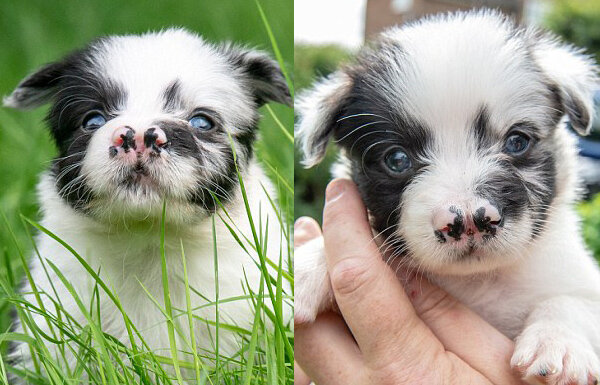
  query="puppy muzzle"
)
[
  {"x": 454, "y": 223},
  {"x": 127, "y": 142}
]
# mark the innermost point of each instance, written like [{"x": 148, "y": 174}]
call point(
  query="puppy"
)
[
  {"x": 138, "y": 121},
  {"x": 454, "y": 130}
]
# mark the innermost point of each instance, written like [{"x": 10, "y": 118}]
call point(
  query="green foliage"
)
[
  {"x": 590, "y": 218},
  {"x": 310, "y": 64},
  {"x": 36, "y": 32},
  {"x": 577, "y": 22}
]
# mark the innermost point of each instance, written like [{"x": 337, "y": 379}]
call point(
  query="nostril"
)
[
  {"x": 155, "y": 138},
  {"x": 128, "y": 140},
  {"x": 123, "y": 137},
  {"x": 448, "y": 223},
  {"x": 487, "y": 219}
]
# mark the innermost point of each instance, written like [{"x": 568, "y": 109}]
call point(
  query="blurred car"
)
[{"x": 589, "y": 153}]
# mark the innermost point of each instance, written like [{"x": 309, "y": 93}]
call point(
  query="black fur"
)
[
  {"x": 172, "y": 96},
  {"x": 367, "y": 139},
  {"x": 262, "y": 74},
  {"x": 184, "y": 140},
  {"x": 76, "y": 90}
]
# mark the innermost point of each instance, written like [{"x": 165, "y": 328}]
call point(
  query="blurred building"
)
[{"x": 384, "y": 13}]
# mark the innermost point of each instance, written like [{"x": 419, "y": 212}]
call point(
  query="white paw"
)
[
  {"x": 305, "y": 307},
  {"x": 312, "y": 289},
  {"x": 554, "y": 355}
]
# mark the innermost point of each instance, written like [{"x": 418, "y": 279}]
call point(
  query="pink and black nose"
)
[
  {"x": 452, "y": 223},
  {"x": 125, "y": 139}
]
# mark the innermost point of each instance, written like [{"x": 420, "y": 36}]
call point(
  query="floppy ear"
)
[
  {"x": 37, "y": 88},
  {"x": 317, "y": 110},
  {"x": 263, "y": 73},
  {"x": 574, "y": 74}
]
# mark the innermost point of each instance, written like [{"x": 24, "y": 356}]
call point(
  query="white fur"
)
[
  {"x": 119, "y": 236},
  {"x": 545, "y": 293}
]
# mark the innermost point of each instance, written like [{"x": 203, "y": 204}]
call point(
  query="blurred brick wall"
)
[{"x": 381, "y": 14}]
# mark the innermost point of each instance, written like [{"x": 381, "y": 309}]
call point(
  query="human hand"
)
[{"x": 385, "y": 335}]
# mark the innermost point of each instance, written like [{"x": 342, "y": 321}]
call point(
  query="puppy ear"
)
[
  {"x": 575, "y": 77},
  {"x": 317, "y": 110},
  {"x": 263, "y": 73},
  {"x": 37, "y": 88}
]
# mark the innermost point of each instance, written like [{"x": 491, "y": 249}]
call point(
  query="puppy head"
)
[
  {"x": 453, "y": 128},
  {"x": 139, "y": 119}
]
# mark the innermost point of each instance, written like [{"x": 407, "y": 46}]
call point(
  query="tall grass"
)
[{"x": 265, "y": 354}]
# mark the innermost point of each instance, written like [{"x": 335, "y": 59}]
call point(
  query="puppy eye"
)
[
  {"x": 201, "y": 122},
  {"x": 93, "y": 120},
  {"x": 397, "y": 161},
  {"x": 517, "y": 144}
]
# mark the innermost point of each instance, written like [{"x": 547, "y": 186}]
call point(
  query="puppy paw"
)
[
  {"x": 305, "y": 307},
  {"x": 553, "y": 355},
  {"x": 312, "y": 289}
]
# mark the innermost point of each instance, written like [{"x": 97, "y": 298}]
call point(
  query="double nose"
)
[
  {"x": 453, "y": 221},
  {"x": 127, "y": 139}
]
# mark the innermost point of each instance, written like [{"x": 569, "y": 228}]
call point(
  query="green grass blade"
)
[
  {"x": 167, "y": 296},
  {"x": 278, "y": 55},
  {"x": 217, "y": 315}
]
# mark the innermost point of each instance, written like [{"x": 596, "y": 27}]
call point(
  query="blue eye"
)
[
  {"x": 517, "y": 144},
  {"x": 201, "y": 122},
  {"x": 94, "y": 120},
  {"x": 397, "y": 161}
]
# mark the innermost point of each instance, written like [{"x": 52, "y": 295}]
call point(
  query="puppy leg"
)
[
  {"x": 312, "y": 293},
  {"x": 560, "y": 343}
]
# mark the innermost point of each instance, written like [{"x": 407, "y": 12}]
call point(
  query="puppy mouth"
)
[
  {"x": 468, "y": 247},
  {"x": 470, "y": 252},
  {"x": 139, "y": 175}
]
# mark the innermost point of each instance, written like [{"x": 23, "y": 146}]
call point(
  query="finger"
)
[
  {"x": 326, "y": 351},
  {"x": 300, "y": 378},
  {"x": 305, "y": 229},
  {"x": 367, "y": 291},
  {"x": 463, "y": 332}
]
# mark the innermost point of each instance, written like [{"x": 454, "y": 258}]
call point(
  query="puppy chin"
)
[{"x": 141, "y": 201}]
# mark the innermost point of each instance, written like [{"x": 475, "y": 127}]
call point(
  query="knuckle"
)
[{"x": 350, "y": 275}]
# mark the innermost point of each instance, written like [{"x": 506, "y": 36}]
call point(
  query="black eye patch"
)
[
  {"x": 79, "y": 93},
  {"x": 372, "y": 134}
]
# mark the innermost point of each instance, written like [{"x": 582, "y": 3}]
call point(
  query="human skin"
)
[{"x": 384, "y": 335}]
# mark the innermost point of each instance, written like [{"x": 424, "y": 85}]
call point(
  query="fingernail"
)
[
  {"x": 301, "y": 222},
  {"x": 334, "y": 190}
]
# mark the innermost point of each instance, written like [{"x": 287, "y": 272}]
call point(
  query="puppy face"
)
[
  {"x": 139, "y": 119},
  {"x": 454, "y": 133}
]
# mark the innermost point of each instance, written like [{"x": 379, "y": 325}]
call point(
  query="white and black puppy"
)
[
  {"x": 139, "y": 120},
  {"x": 453, "y": 128}
]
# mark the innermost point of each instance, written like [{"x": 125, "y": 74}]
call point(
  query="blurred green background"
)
[
  {"x": 34, "y": 32},
  {"x": 577, "y": 21}
]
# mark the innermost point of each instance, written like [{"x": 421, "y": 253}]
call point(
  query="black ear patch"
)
[
  {"x": 579, "y": 115},
  {"x": 39, "y": 87},
  {"x": 572, "y": 76},
  {"x": 263, "y": 75}
]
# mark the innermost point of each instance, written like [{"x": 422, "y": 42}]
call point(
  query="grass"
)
[{"x": 37, "y": 32}]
